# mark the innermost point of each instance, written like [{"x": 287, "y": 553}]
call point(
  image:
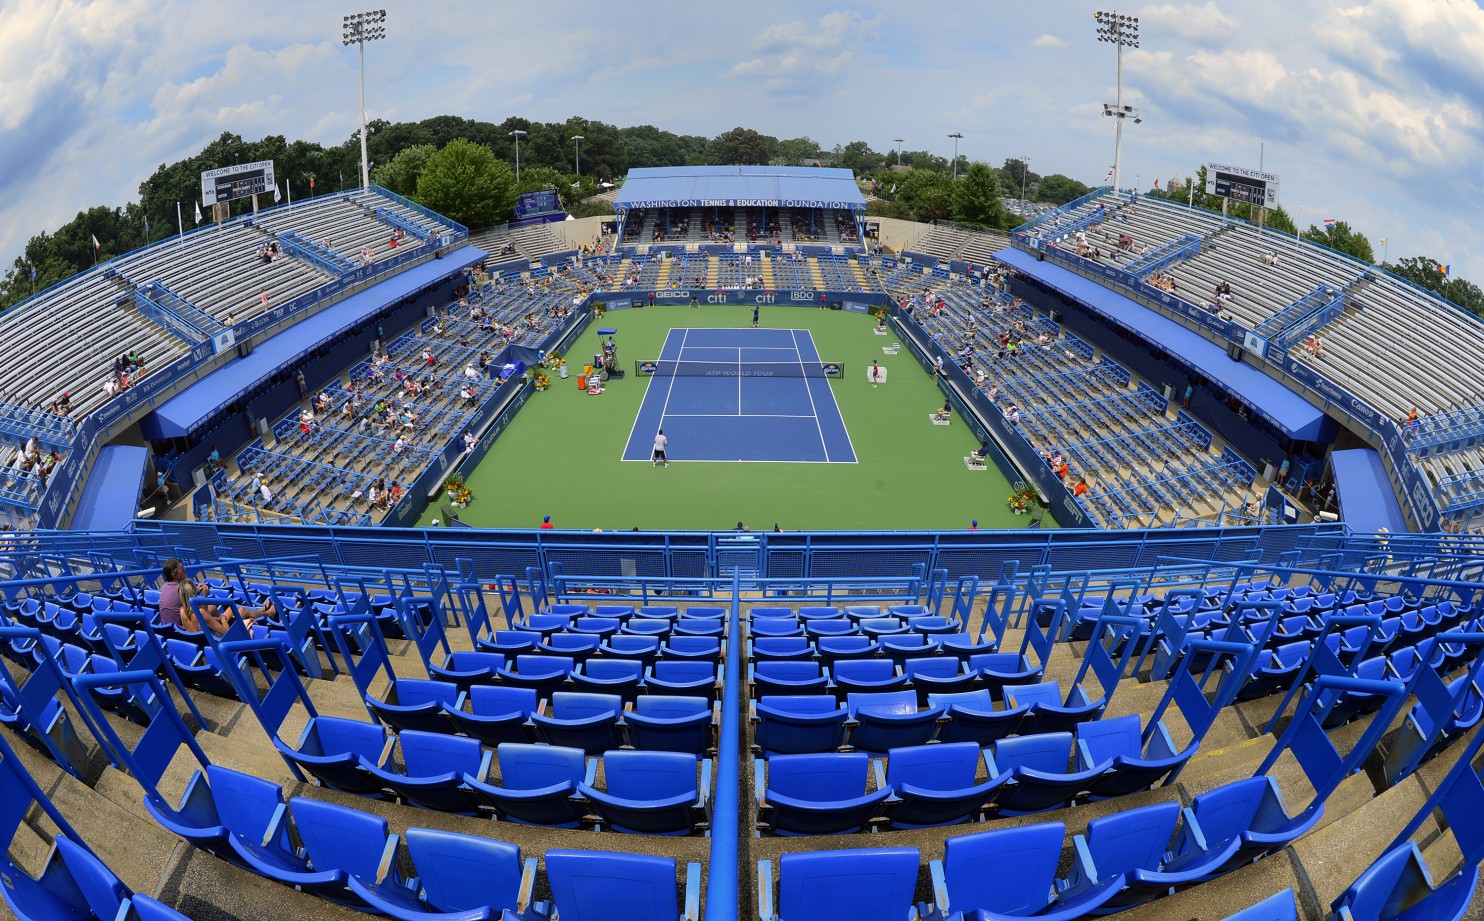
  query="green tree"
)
[
  {"x": 858, "y": 157},
  {"x": 976, "y": 198},
  {"x": 1429, "y": 273},
  {"x": 1059, "y": 189},
  {"x": 1278, "y": 219},
  {"x": 1017, "y": 175},
  {"x": 927, "y": 196},
  {"x": 400, "y": 174},
  {"x": 465, "y": 181},
  {"x": 794, "y": 151},
  {"x": 1339, "y": 236},
  {"x": 741, "y": 146}
]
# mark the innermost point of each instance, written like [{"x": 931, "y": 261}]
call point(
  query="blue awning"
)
[
  {"x": 111, "y": 498},
  {"x": 193, "y": 406},
  {"x": 739, "y": 187},
  {"x": 1367, "y": 501},
  {"x": 1291, "y": 413}
]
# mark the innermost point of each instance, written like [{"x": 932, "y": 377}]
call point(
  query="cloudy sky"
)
[{"x": 1371, "y": 112}]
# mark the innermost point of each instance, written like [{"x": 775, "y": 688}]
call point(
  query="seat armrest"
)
[
  {"x": 704, "y": 787},
  {"x": 527, "y": 886},
  {"x": 765, "y": 891},
  {"x": 388, "y": 865},
  {"x": 692, "y": 892},
  {"x": 878, "y": 767},
  {"x": 275, "y": 824},
  {"x": 940, "y": 886}
]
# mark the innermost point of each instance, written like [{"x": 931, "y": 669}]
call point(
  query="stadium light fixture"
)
[
  {"x": 517, "y": 134},
  {"x": 957, "y": 136},
  {"x": 899, "y": 150},
  {"x": 1025, "y": 167},
  {"x": 1122, "y": 32},
  {"x": 361, "y": 28},
  {"x": 577, "y": 152}
]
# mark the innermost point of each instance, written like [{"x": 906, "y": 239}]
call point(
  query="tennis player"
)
[
  {"x": 658, "y": 457},
  {"x": 755, "y": 311}
]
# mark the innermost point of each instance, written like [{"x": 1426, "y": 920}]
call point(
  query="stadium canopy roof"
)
[
  {"x": 739, "y": 187},
  {"x": 111, "y": 498},
  {"x": 1367, "y": 502},
  {"x": 1291, "y": 413}
]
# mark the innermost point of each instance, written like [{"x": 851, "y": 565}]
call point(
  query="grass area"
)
[{"x": 561, "y": 454}]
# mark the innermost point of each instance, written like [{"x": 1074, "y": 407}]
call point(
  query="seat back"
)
[
  {"x": 819, "y": 777},
  {"x": 868, "y": 884},
  {"x": 428, "y": 754},
  {"x": 649, "y": 775},
  {"x": 1134, "y": 839},
  {"x": 605, "y": 886},
  {"x": 524, "y": 766},
  {"x": 946, "y": 767},
  {"x": 1009, "y": 871},
  {"x": 464, "y": 872},
  {"x": 1048, "y": 752},
  {"x": 339, "y": 838}
]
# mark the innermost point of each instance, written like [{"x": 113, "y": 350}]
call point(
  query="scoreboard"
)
[
  {"x": 545, "y": 201},
  {"x": 1244, "y": 185},
  {"x": 233, "y": 182}
]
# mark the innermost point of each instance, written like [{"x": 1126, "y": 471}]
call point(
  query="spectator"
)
[
  {"x": 1081, "y": 489},
  {"x": 546, "y": 524}
]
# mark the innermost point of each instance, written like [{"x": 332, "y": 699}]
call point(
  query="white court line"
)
[
  {"x": 749, "y": 415},
  {"x": 809, "y": 389},
  {"x": 669, "y": 389}
]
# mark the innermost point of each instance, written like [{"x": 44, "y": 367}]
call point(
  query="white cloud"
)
[{"x": 1049, "y": 41}]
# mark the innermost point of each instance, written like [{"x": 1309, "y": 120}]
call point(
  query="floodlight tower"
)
[
  {"x": 899, "y": 150},
  {"x": 577, "y": 152},
  {"x": 957, "y": 136},
  {"x": 517, "y": 134},
  {"x": 361, "y": 28},
  {"x": 1121, "y": 31}
]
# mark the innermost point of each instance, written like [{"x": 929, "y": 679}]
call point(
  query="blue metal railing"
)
[
  {"x": 1185, "y": 246},
  {"x": 1310, "y": 312},
  {"x": 23, "y": 423},
  {"x": 316, "y": 254},
  {"x": 1066, "y": 209},
  {"x": 456, "y": 232}
]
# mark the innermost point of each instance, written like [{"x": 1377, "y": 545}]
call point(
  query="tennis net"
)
[{"x": 668, "y": 367}]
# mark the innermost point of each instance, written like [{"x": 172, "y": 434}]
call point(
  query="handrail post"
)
[{"x": 722, "y": 894}]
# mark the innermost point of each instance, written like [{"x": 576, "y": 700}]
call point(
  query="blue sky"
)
[{"x": 1371, "y": 112}]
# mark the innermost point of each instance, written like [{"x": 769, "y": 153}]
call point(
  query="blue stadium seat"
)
[
  {"x": 1039, "y": 778},
  {"x": 433, "y": 768},
  {"x": 543, "y": 674},
  {"x": 901, "y": 647},
  {"x": 600, "y": 675},
  {"x": 939, "y": 674},
  {"x": 818, "y": 794},
  {"x": 1236, "y": 824},
  {"x": 798, "y": 724},
  {"x": 707, "y": 648},
  {"x": 774, "y": 626},
  {"x": 1399, "y": 887},
  {"x": 579, "y": 647},
  {"x": 415, "y": 703},
  {"x": 219, "y": 804},
  {"x": 1274, "y": 670},
  {"x": 970, "y": 716},
  {"x": 933, "y": 784},
  {"x": 660, "y": 722},
  {"x": 604, "y": 886},
  {"x": 651, "y": 792},
  {"x": 693, "y": 677},
  {"x": 1117, "y": 747},
  {"x": 1010, "y": 873},
  {"x": 1049, "y": 712},
  {"x": 538, "y": 784},
  {"x": 998, "y": 670},
  {"x": 1281, "y": 906},
  {"x": 496, "y": 714},
  {"x": 1125, "y": 850},
  {"x": 592, "y": 723},
  {"x": 818, "y": 629},
  {"x": 786, "y": 677},
  {"x": 596, "y": 626},
  {"x": 882, "y": 721},
  {"x": 337, "y": 842},
  {"x": 508, "y": 643},
  {"x": 467, "y": 669},
  {"x": 335, "y": 751},
  {"x": 767, "y": 648},
  {"x": 645, "y": 649},
  {"x": 834, "y": 649},
  {"x": 459, "y": 877},
  {"x": 866, "y": 675},
  {"x": 868, "y": 884}
]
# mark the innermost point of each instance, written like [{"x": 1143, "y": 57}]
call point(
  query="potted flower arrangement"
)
[
  {"x": 1022, "y": 499},
  {"x": 458, "y": 492},
  {"x": 542, "y": 381}
]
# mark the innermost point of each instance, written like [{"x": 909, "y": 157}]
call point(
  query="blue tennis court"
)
[{"x": 743, "y": 395}]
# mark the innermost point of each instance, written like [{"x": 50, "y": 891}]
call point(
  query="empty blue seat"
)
[
  {"x": 798, "y": 724},
  {"x": 337, "y": 842},
  {"x": 458, "y": 876},
  {"x": 774, "y": 626},
  {"x": 834, "y": 649},
  {"x": 866, "y": 675},
  {"x": 998, "y": 670},
  {"x": 1039, "y": 777},
  {"x": 764, "y": 648},
  {"x": 218, "y": 804},
  {"x": 655, "y": 628},
  {"x": 970, "y": 716},
  {"x": 508, "y": 642},
  {"x": 434, "y": 765},
  {"x": 660, "y": 722},
  {"x": 901, "y": 647},
  {"x": 868, "y": 884},
  {"x": 938, "y": 674},
  {"x": 543, "y": 624},
  {"x": 590, "y": 722},
  {"x": 1116, "y": 747},
  {"x": 817, "y": 629},
  {"x": 335, "y": 751},
  {"x": 889, "y": 719},
  {"x": 1126, "y": 851},
  {"x": 697, "y": 677},
  {"x": 538, "y": 784},
  {"x": 596, "y": 626},
  {"x": 604, "y": 886},
  {"x": 819, "y": 794},
  {"x": 466, "y": 669},
  {"x": 1399, "y": 887},
  {"x": 1236, "y": 824},
  {"x": 609, "y": 676},
  {"x": 650, "y": 792},
  {"x": 1009, "y": 873},
  {"x": 1274, "y": 669},
  {"x": 625, "y": 646},
  {"x": 543, "y": 674},
  {"x": 707, "y": 648},
  {"x": 1280, "y": 906},
  {"x": 415, "y": 703},
  {"x": 1049, "y": 712},
  {"x": 579, "y": 647},
  {"x": 786, "y": 677},
  {"x": 933, "y": 784},
  {"x": 496, "y": 714},
  {"x": 879, "y": 627}
]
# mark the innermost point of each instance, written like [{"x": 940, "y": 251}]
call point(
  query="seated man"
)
[
  {"x": 979, "y": 455},
  {"x": 942, "y": 414}
]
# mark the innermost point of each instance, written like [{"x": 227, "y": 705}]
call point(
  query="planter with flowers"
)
[{"x": 1022, "y": 499}]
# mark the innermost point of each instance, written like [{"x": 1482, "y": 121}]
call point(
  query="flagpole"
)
[{"x": 179, "y": 221}]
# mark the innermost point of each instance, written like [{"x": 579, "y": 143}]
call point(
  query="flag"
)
[
  {"x": 894, "y": 188},
  {"x": 146, "y": 227},
  {"x": 276, "y": 196},
  {"x": 1329, "y": 222},
  {"x": 1156, "y": 182},
  {"x": 1382, "y": 241},
  {"x": 33, "y": 273},
  {"x": 95, "y": 241},
  {"x": 311, "y": 186},
  {"x": 1110, "y": 174},
  {"x": 1446, "y": 269},
  {"x": 198, "y": 212}
]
